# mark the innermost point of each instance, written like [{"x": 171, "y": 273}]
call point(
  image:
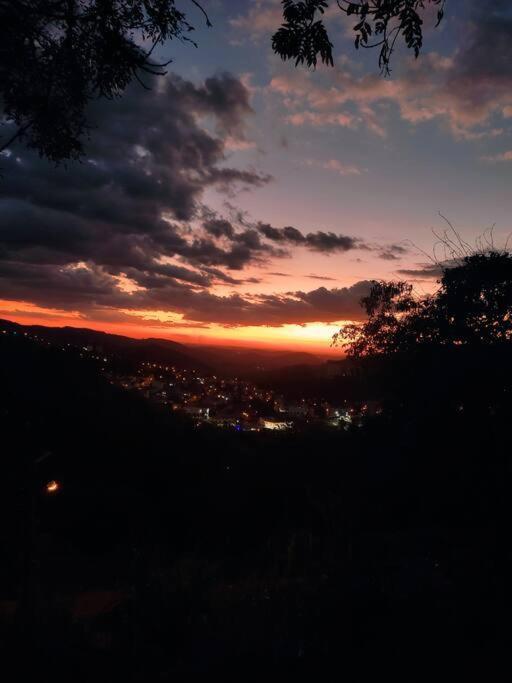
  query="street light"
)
[
  {"x": 28, "y": 598},
  {"x": 52, "y": 487}
]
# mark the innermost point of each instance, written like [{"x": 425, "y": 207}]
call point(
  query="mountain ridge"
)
[{"x": 207, "y": 358}]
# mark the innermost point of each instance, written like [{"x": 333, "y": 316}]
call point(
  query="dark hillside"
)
[
  {"x": 225, "y": 550},
  {"x": 130, "y": 350}
]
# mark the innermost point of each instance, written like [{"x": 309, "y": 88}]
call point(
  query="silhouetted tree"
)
[
  {"x": 471, "y": 308},
  {"x": 379, "y": 23},
  {"x": 57, "y": 55}
]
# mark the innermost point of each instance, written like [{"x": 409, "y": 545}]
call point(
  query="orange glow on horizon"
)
[
  {"x": 312, "y": 337},
  {"x": 25, "y": 309}
]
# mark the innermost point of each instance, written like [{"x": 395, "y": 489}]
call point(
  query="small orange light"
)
[{"x": 52, "y": 486}]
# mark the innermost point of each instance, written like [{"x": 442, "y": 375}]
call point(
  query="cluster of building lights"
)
[
  {"x": 232, "y": 403},
  {"x": 224, "y": 402}
]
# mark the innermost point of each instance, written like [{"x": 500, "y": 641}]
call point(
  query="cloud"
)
[
  {"x": 464, "y": 90},
  {"x": 503, "y": 156},
  {"x": 298, "y": 307},
  {"x": 264, "y": 17},
  {"x": 147, "y": 155},
  {"x": 219, "y": 227},
  {"x": 125, "y": 233},
  {"x": 312, "y": 276},
  {"x": 96, "y": 295},
  {"x": 129, "y": 205},
  {"x": 423, "y": 271},
  {"x": 239, "y": 145},
  {"x": 261, "y": 21},
  {"x": 235, "y": 253},
  {"x": 388, "y": 256},
  {"x": 393, "y": 252},
  {"x": 335, "y": 166},
  {"x": 321, "y": 119},
  {"x": 326, "y": 242}
]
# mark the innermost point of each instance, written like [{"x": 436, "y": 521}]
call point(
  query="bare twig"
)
[{"x": 197, "y": 4}]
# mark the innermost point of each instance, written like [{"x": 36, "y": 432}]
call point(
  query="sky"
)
[{"x": 242, "y": 200}]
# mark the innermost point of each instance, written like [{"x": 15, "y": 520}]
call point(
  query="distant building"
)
[
  {"x": 276, "y": 425},
  {"x": 225, "y": 421},
  {"x": 295, "y": 409},
  {"x": 371, "y": 408},
  {"x": 197, "y": 411}
]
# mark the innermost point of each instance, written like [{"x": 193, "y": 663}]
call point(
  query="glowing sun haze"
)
[{"x": 244, "y": 201}]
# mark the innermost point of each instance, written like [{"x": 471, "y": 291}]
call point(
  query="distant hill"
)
[
  {"x": 227, "y": 360},
  {"x": 252, "y": 362},
  {"x": 56, "y": 400},
  {"x": 126, "y": 348}
]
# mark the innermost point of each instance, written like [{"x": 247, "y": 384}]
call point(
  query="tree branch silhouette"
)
[
  {"x": 304, "y": 38},
  {"x": 56, "y": 56}
]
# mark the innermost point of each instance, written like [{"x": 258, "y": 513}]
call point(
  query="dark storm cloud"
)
[
  {"x": 223, "y": 277},
  {"x": 393, "y": 252},
  {"x": 123, "y": 208},
  {"x": 242, "y": 249},
  {"x": 219, "y": 227},
  {"x": 326, "y": 242},
  {"x": 330, "y": 242},
  {"x": 344, "y": 302},
  {"x": 424, "y": 270},
  {"x": 320, "y": 305},
  {"x": 160, "y": 273},
  {"x": 224, "y": 96},
  {"x": 96, "y": 295},
  {"x": 489, "y": 49},
  {"x": 58, "y": 287},
  {"x": 148, "y": 155},
  {"x": 312, "y": 276},
  {"x": 125, "y": 229}
]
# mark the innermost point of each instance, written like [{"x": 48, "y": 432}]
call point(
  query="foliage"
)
[
  {"x": 380, "y": 23},
  {"x": 57, "y": 55},
  {"x": 471, "y": 308},
  {"x": 301, "y": 37}
]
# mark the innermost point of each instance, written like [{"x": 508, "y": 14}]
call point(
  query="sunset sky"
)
[{"x": 246, "y": 201}]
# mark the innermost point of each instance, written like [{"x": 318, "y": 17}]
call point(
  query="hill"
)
[
  {"x": 250, "y": 362},
  {"x": 374, "y": 540},
  {"x": 224, "y": 360},
  {"x": 126, "y": 348}
]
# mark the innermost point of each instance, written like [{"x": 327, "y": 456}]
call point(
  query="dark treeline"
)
[{"x": 170, "y": 550}]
